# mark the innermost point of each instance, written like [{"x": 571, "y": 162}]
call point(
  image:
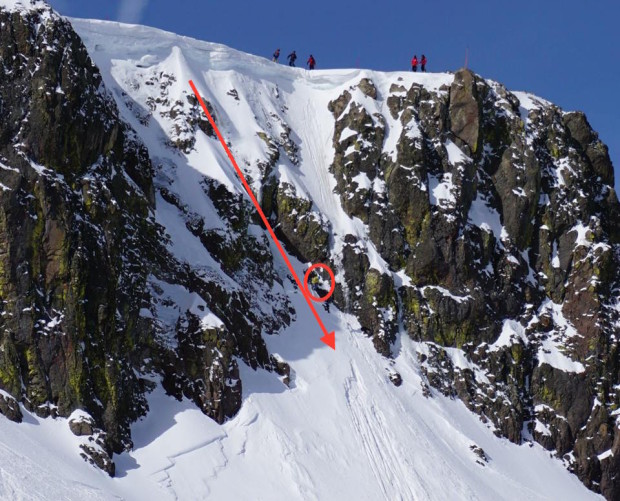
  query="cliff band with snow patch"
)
[{"x": 474, "y": 233}]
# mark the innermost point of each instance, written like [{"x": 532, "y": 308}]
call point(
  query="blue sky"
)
[{"x": 566, "y": 51}]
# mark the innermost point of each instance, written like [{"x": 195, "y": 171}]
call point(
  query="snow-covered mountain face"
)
[{"x": 473, "y": 232}]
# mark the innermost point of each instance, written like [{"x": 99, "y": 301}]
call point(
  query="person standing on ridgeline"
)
[
  {"x": 423, "y": 63},
  {"x": 311, "y": 62},
  {"x": 414, "y": 63},
  {"x": 292, "y": 57},
  {"x": 276, "y": 55}
]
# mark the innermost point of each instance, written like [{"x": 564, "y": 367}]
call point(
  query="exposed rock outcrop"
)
[
  {"x": 528, "y": 299},
  {"x": 488, "y": 233},
  {"x": 83, "y": 264}
]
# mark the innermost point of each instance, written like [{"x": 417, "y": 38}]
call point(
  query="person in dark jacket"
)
[
  {"x": 276, "y": 55},
  {"x": 423, "y": 63},
  {"x": 311, "y": 62},
  {"x": 292, "y": 57},
  {"x": 414, "y": 63}
]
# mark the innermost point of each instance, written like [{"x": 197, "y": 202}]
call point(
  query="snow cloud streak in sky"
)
[{"x": 131, "y": 11}]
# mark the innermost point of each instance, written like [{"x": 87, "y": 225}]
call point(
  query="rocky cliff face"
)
[
  {"x": 531, "y": 301},
  {"x": 498, "y": 222},
  {"x": 83, "y": 261},
  {"x": 489, "y": 234},
  {"x": 75, "y": 203}
]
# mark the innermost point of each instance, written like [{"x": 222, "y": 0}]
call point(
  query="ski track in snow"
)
[
  {"x": 342, "y": 431},
  {"x": 372, "y": 430},
  {"x": 314, "y": 143},
  {"x": 21, "y": 478}
]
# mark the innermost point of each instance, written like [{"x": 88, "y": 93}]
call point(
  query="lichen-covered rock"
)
[
  {"x": 9, "y": 407},
  {"x": 304, "y": 230},
  {"x": 465, "y": 109},
  {"x": 97, "y": 456},
  {"x": 368, "y": 88},
  {"x": 484, "y": 225},
  {"x": 203, "y": 369},
  {"x": 83, "y": 264},
  {"x": 75, "y": 211},
  {"x": 378, "y": 309},
  {"x": 337, "y": 106},
  {"x": 81, "y": 423},
  {"x": 357, "y": 160},
  {"x": 528, "y": 300}
]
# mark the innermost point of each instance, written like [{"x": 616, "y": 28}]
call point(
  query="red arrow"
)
[{"x": 328, "y": 338}]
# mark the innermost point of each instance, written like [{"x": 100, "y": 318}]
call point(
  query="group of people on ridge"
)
[
  {"x": 414, "y": 63},
  {"x": 311, "y": 62},
  {"x": 292, "y": 57}
]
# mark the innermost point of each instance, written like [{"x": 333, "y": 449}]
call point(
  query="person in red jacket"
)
[
  {"x": 311, "y": 62},
  {"x": 423, "y": 63},
  {"x": 414, "y": 63}
]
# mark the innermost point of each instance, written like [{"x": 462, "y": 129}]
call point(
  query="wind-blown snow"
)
[
  {"x": 362, "y": 181},
  {"x": 529, "y": 102},
  {"x": 486, "y": 218},
  {"x": 550, "y": 351},
  {"x": 445, "y": 292},
  {"x": 22, "y": 5},
  {"x": 512, "y": 332},
  {"x": 455, "y": 154},
  {"x": 441, "y": 190},
  {"x": 581, "y": 237},
  {"x": 342, "y": 430},
  {"x": 555, "y": 257}
]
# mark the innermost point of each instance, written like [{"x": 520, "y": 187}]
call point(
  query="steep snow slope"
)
[{"x": 342, "y": 430}]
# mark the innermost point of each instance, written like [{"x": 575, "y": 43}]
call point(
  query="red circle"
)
[{"x": 331, "y": 276}]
